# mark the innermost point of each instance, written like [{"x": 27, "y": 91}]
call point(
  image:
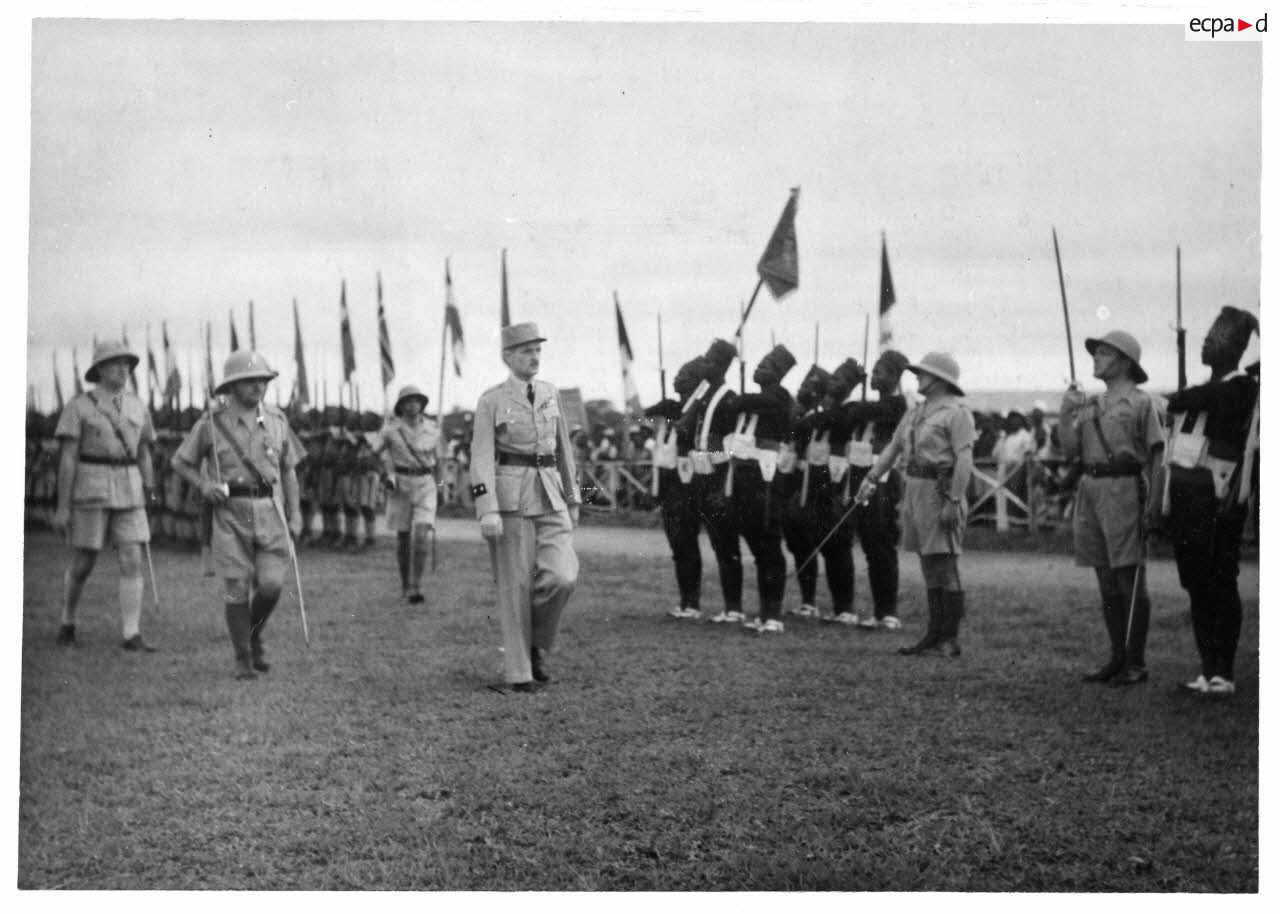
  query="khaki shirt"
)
[
  {"x": 85, "y": 421},
  {"x": 936, "y": 431},
  {"x": 1129, "y": 421},
  {"x": 407, "y": 445},
  {"x": 270, "y": 445},
  {"x": 505, "y": 421}
]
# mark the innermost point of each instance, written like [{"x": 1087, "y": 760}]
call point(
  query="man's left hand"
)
[
  {"x": 574, "y": 511},
  {"x": 949, "y": 516}
]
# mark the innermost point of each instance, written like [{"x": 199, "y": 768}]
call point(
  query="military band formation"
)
[{"x": 809, "y": 474}]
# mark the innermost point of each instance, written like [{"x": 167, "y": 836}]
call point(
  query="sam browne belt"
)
[{"x": 506, "y": 458}]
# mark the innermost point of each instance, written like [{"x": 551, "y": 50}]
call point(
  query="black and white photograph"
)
[{"x": 574, "y": 449}]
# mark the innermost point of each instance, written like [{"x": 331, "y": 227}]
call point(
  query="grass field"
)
[{"x": 667, "y": 756}]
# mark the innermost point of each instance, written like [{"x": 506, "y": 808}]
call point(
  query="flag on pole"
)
[
  {"x": 75, "y": 367},
  {"x": 57, "y": 383},
  {"x": 779, "y": 264},
  {"x": 133, "y": 375},
  {"x": 887, "y": 298},
  {"x": 153, "y": 373},
  {"x": 506, "y": 306},
  {"x": 630, "y": 395},
  {"x": 301, "y": 392},
  {"x": 208, "y": 360},
  {"x": 453, "y": 323},
  {"x": 253, "y": 336},
  {"x": 348, "y": 345},
  {"x": 384, "y": 341},
  {"x": 235, "y": 337},
  {"x": 172, "y": 378}
]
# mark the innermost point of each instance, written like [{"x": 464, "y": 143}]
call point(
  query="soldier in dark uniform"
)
[
  {"x": 761, "y": 424},
  {"x": 863, "y": 430},
  {"x": 330, "y": 481},
  {"x": 1211, "y": 467},
  {"x": 678, "y": 489}
]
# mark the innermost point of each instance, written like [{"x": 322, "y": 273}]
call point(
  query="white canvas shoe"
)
[
  {"x": 847, "y": 619},
  {"x": 751, "y": 623},
  {"x": 893, "y": 623},
  {"x": 1200, "y": 685},
  {"x": 1221, "y": 687},
  {"x": 807, "y": 611},
  {"x": 734, "y": 616},
  {"x": 868, "y": 622},
  {"x": 676, "y": 612},
  {"x": 772, "y": 627},
  {"x": 722, "y": 617}
]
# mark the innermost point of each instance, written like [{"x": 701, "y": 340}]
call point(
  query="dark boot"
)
[
  {"x": 538, "y": 660},
  {"x": 402, "y": 561},
  {"x": 239, "y": 627},
  {"x": 952, "y": 612},
  {"x": 1135, "y": 636},
  {"x": 1115, "y": 622},
  {"x": 929, "y": 643},
  {"x": 258, "y": 616}
]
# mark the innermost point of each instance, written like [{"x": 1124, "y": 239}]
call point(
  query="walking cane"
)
[
  {"x": 297, "y": 574},
  {"x": 151, "y": 569}
]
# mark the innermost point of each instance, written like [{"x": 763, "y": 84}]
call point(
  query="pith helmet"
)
[
  {"x": 1124, "y": 343},
  {"x": 243, "y": 365},
  {"x": 943, "y": 366},
  {"x": 519, "y": 334},
  {"x": 106, "y": 352},
  {"x": 409, "y": 392}
]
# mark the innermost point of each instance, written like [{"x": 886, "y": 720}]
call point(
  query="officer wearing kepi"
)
[
  {"x": 105, "y": 476},
  {"x": 525, "y": 490},
  {"x": 254, "y": 489}
]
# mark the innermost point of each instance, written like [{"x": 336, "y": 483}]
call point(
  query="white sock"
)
[{"x": 131, "y": 604}]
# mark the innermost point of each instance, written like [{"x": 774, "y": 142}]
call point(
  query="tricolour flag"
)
[
  {"x": 384, "y": 341},
  {"x": 348, "y": 345},
  {"x": 235, "y": 337},
  {"x": 630, "y": 395},
  {"x": 506, "y": 306},
  {"x": 172, "y": 378},
  {"x": 887, "y": 298},
  {"x": 453, "y": 323},
  {"x": 301, "y": 397},
  {"x": 779, "y": 265}
]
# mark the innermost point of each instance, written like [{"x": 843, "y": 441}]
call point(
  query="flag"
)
[
  {"x": 506, "y": 307},
  {"x": 301, "y": 396},
  {"x": 453, "y": 322},
  {"x": 208, "y": 361},
  {"x": 348, "y": 345},
  {"x": 57, "y": 383},
  {"x": 172, "y": 378},
  {"x": 779, "y": 267},
  {"x": 75, "y": 367},
  {"x": 630, "y": 395},
  {"x": 235, "y": 337},
  {"x": 253, "y": 336},
  {"x": 153, "y": 374},
  {"x": 384, "y": 341},
  {"x": 133, "y": 375},
  {"x": 887, "y": 298}
]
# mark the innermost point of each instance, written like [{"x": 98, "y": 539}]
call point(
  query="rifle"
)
[
  {"x": 1180, "y": 330},
  {"x": 662, "y": 369}
]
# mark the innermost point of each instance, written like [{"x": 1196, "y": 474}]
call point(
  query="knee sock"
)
[
  {"x": 402, "y": 559},
  {"x": 131, "y": 604}
]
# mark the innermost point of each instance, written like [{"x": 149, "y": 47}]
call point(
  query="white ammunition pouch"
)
[
  {"x": 768, "y": 464},
  {"x": 787, "y": 458},
  {"x": 837, "y": 466},
  {"x": 818, "y": 452},
  {"x": 701, "y": 462},
  {"x": 664, "y": 453},
  {"x": 1189, "y": 449},
  {"x": 684, "y": 469}
]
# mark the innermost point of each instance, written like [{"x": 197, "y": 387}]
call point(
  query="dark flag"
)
[
  {"x": 506, "y": 307},
  {"x": 235, "y": 337},
  {"x": 253, "y": 336},
  {"x": 153, "y": 373},
  {"x": 779, "y": 265},
  {"x": 384, "y": 341},
  {"x": 887, "y": 298},
  {"x": 453, "y": 322},
  {"x": 208, "y": 362},
  {"x": 172, "y": 378},
  {"x": 301, "y": 395},
  {"x": 57, "y": 382},
  {"x": 133, "y": 375},
  {"x": 631, "y": 396},
  {"x": 348, "y": 345}
]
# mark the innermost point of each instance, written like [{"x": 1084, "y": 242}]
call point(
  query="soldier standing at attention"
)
[
  {"x": 1117, "y": 438},
  {"x": 936, "y": 438},
  {"x": 526, "y": 496},
  {"x": 105, "y": 480},
  {"x": 252, "y": 453},
  {"x": 408, "y": 455}
]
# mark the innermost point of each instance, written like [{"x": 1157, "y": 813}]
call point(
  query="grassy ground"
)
[{"x": 668, "y": 756}]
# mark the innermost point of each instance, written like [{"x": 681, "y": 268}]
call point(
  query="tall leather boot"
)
[
  {"x": 258, "y": 615},
  {"x": 239, "y": 628},
  {"x": 952, "y": 613},
  {"x": 929, "y": 643},
  {"x": 1113, "y": 614}
]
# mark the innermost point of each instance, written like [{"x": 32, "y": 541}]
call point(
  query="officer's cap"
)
[{"x": 514, "y": 335}]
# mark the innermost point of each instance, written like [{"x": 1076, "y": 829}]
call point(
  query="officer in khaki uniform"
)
[
  {"x": 408, "y": 452},
  {"x": 105, "y": 477},
  {"x": 253, "y": 453},
  {"x": 526, "y": 496}
]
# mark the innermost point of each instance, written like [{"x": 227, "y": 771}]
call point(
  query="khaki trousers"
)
[{"x": 536, "y": 570}]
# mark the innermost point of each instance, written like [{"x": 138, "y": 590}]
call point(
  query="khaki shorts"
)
[
  {"x": 413, "y": 501},
  {"x": 247, "y": 532},
  {"x": 1106, "y": 522},
  {"x": 90, "y": 526}
]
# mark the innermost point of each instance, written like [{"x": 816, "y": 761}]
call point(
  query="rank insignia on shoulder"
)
[{"x": 478, "y": 489}]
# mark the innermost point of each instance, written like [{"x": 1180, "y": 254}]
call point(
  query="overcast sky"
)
[{"x": 180, "y": 169}]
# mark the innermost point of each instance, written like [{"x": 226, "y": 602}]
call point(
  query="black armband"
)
[{"x": 478, "y": 489}]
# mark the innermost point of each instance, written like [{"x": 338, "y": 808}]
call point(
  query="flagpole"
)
[
  {"x": 816, "y": 325},
  {"x": 866, "y": 351},
  {"x": 444, "y": 344},
  {"x": 662, "y": 369}
]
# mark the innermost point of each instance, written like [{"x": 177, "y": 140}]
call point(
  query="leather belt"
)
[
  {"x": 506, "y": 458},
  {"x": 108, "y": 461},
  {"x": 928, "y": 470},
  {"x": 240, "y": 491},
  {"x": 412, "y": 471},
  {"x": 1109, "y": 470}
]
